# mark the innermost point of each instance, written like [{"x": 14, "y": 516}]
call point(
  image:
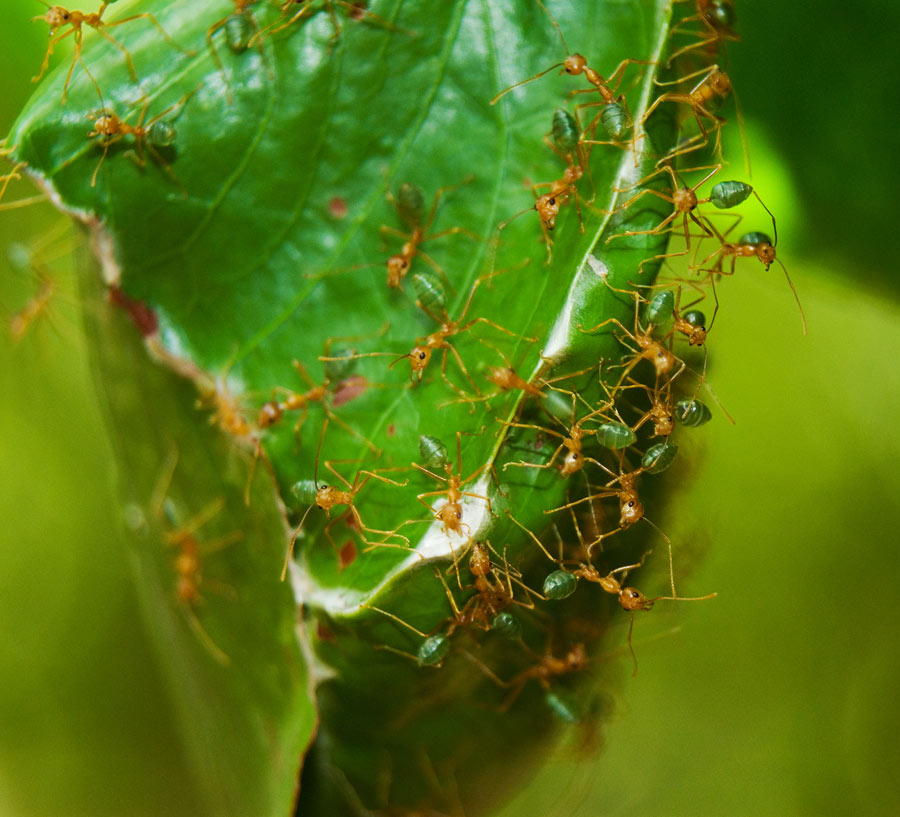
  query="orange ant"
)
[
  {"x": 356, "y": 10},
  {"x": 717, "y": 17},
  {"x": 548, "y": 204},
  {"x": 631, "y": 599},
  {"x": 684, "y": 200},
  {"x": 714, "y": 85},
  {"x": 507, "y": 379},
  {"x": 326, "y": 497},
  {"x": 188, "y": 563},
  {"x": 22, "y": 320},
  {"x": 227, "y": 414},
  {"x": 493, "y": 594},
  {"x": 546, "y": 668},
  {"x": 240, "y": 31},
  {"x": 650, "y": 349},
  {"x": 420, "y": 355},
  {"x": 750, "y": 245},
  {"x": 576, "y": 64},
  {"x": 58, "y": 16},
  {"x": 32, "y": 256},
  {"x": 574, "y": 459},
  {"x": 15, "y": 175},
  {"x": 272, "y": 411},
  {"x": 661, "y": 412},
  {"x": 450, "y": 514},
  {"x": 410, "y": 207},
  {"x": 631, "y": 509},
  {"x": 154, "y": 135}
]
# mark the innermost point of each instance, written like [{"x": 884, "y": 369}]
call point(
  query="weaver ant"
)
[
  {"x": 571, "y": 442},
  {"x": 546, "y": 668},
  {"x": 614, "y": 115},
  {"x": 450, "y": 514},
  {"x": 326, "y": 497},
  {"x": 750, "y": 245},
  {"x": 356, "y": 10},
  {"x": 335, "y": 368},
  {"x": 493, "y": 594},
  {"x": 155, "y": 135},
  {"x": 410, "y": 206},
  {"x": 188, "y": 563},
  {"x": 683, "y": 199},
  {"x": 58, "y": 16},
  {"x": 548, "y": 204},
  {"x": 631, "y": 599},
  {"x": 715, "y": 85},
  {"x": 717, "y": 17},
  {"x": 240, "y": 28}
]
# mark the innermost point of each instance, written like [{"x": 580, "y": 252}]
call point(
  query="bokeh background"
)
[{"x": 777, "y": 698}]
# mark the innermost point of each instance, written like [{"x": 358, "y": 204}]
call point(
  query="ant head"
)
[
  {"x": 326, "y": 496},
  {"x": 576, "y": 658},
  {"x": 548, "y": 209},
  {"x": 105, "y": 123},
  {"x": 419, "y": 357},
  {"x": 480, "y": 560},
  {"x": 573, "y": 461},
  {"x": 766, "y": 254},
  {"x": 630, "y": 508},
  {"x": 451, "y": 516},
  {"x": 663, "y": 424},
  {"x": 697, "y": 321},
  {"x": 269, "y": 414},
  {"x": 397, "y": 267},
  {"x": 575, "y": 64},
  {"x": 765, "y": 248},
  {"x": 632, "y": 599},
  {"x": 720, "y": 83},
  {"x": 55, "y": 17}
]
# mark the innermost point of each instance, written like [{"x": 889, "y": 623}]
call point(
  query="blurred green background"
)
[{"x": 775, "y": 698}]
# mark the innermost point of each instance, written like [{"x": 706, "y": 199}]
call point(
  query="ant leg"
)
[
  {"x": 109, "y": 38},
  {"x": 434, "y": 204},
  {"x": 148, "y": 16},
  {"x": 205, "y": 638},
  {"x": 536, "y": 540},
  {"x": 462, "y": 367}
]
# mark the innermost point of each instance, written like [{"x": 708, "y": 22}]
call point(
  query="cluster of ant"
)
[{"x": 619, "y": 437}]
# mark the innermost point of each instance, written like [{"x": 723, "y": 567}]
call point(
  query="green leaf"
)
[{"x": 255, "y": 239}]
